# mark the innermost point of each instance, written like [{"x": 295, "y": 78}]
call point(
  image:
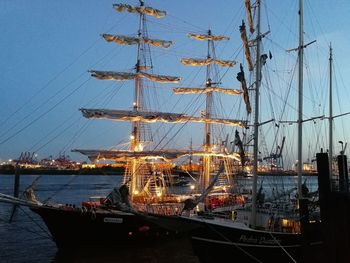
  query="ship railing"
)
[{"x": 168, "y": 209}]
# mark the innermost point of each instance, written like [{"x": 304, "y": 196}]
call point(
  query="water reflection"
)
[{"x": 178, "y": 251}]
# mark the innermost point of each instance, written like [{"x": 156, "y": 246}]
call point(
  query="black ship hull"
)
[
  {"x": 216, "y": 239},
  {"x": 73, "y": 227},
  {"x": 213, "y": 242}
]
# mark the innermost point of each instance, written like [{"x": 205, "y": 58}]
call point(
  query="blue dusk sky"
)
[{"x": 47, "y": 48}]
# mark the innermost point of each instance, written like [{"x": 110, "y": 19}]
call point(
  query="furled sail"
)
[
  {"x": 111, "y": 75},
  {"x": 249, "y": 16},
  {"x": 207, "y": 61},
  {"x": 122, "y": 40},
  {"x": 246, "y": 46},
  {"x": 234, "y": 156},
  {"x": 121, "y": 115},
  {"x": 161, "y": 78},
  {"x": 140, "y": 10},
  {"x": 206, "y": 90},
  {"x": 238, "y": 142},
  {"x": 126, "y": 40},
  {"x": 207, "y": 37},
  {"x": 229, "y": 122},
  {"x": 241, "y": 78},
  {"x": 158, "y": 42}
]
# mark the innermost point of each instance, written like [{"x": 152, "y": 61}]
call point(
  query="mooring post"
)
[
  {"x": 343, "y": 173},
  {"x": 324, "y": 183},
  {"x": 304, "y": 227},
  {"x": 17, "y": 182},
  {"x": 15, "y": 190}
]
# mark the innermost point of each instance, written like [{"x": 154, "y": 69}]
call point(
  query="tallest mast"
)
[{"x": 300, "y": 97}]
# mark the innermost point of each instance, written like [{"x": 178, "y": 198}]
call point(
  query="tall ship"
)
[{"x": 127, "y": 214}]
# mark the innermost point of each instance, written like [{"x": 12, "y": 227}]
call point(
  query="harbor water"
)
[{"x": 26, "y": 238}]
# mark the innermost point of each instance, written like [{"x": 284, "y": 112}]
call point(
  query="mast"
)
[
  {"x": 211, "y": 86},
  {"x": 300, "y": 97},
  {"x": 256, "y": 118},
  {"x": 330, "y": 111},
  {"x": 191, "y": 158},
  {"x": 137, "y": 106},
  {"x": 208, "y": 107},
  {"x": 134, "y": 176}
]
